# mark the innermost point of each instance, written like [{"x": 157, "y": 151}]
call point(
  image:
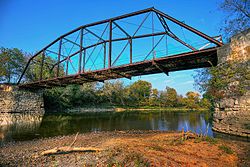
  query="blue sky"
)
[{"x": 31, "y": 24}]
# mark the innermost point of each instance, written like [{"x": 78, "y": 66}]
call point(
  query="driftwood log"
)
[{"x": 69, "y": 149}]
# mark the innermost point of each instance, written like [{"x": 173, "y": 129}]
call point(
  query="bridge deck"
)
[{"x": 184, "y": 61}]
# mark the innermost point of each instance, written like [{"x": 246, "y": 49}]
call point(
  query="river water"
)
[{"x": 20, "y": 127}]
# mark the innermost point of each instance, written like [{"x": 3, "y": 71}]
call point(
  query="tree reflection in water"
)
[{"x": 26, "y": 127}]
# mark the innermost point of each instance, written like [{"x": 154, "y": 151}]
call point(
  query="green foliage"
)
[
  {"x": 169, "y": 97},
  {"x": 139, "y": 92},
  {"x": 12, "y": 62},
  {"x": 227, "y": 77},
  {"x": 226, "y": 149},
  {"x": 71, "y": 96},
  {"x": 211, "y": 140},
  {"x": 115, "y": 93},
  {"x": 154, "y": 98},
  {"x": 192, "y": 100},
  {"x": 34, "y": 70}
]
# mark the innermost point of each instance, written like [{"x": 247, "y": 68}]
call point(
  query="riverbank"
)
[
  {"x": 130, "y": 148},
  {"x": 122, "y": 109}
]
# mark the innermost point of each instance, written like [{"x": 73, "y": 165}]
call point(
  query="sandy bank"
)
[{"x": 130, "y": 148}]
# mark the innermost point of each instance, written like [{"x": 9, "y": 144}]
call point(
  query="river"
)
[{"x": 21, "y": 127}]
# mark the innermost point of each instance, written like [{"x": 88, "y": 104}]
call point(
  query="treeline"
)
[{"x": 138, "y": 94}]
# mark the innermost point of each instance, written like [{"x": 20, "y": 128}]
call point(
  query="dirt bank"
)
[{"x": 133, "y": 148}]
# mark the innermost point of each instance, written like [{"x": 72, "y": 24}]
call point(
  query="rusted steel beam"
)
[
  {"x": 154, "y": 47},
  {"x": 104, "y": 55},
  {"x": 53, "y": 83},
  {"x": 130, "y": 38},
  {"x": 84, "y": 58},
  {"x": 113, "y": 40},
  {"x": 59, "y": 57},
  {"x": 91, "y": 78},
  {"x": 47, "y": 50},
  {"x": 94, "y": 34},
  {"x": 178, "y": 62},
  {"x": 41, "y": 67},
  {"x": 80, "y": 55},
  {"x": 160, "y": 67},
  {"x": 188, "y": 27},
  {"x": 118, "y": 39},
  {"x": 171, "y": 34},
  {"x": 110, "y": 44},
  {"x": 130, "y": 51},
  {"x": 72, "y": 42},
  {"x": 117, "y": 25},
  {"x": 84, "y": 26},
  {"x": 122, "y": 74}
]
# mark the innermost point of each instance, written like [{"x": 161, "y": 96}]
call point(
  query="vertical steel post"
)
[
  {"x": 41, "y": 67},
  {"x": 130, "y": 50},
  {"x": 104, "y": 59},
  {"x": 59, "y": 57},
  {"x": 110, "y": 44},
  {"x": 80, "y": 55},
  {"x": 67, "y": 66},
  {"x": 153, "y": 38},
  {"x": 84, "y": 57}
]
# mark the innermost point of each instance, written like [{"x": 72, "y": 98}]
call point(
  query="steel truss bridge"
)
[{"x": 139, "y": 43}]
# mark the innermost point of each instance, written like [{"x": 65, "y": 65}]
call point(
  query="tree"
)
[
  {"x": 139, "y": 92},
  {"x": 34, "y": 69},
  {"x": 169, "y": 97},
  {"x": 192, "y": 100},
  {"x": 114, "y": 91},
  {"x": 205, "y": 103},
  {"x": 237, "y": 16},
  {"x": 12, "y": 62},
  {"x": 154, "y": 96},
  {"x": 227, "y": 77}
]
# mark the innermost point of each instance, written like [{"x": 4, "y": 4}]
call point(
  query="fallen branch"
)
[
  {"x": 69, "y": 149},
  {"x": 74, "y": 140}
]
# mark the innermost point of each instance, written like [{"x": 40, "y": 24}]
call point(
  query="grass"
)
[
  {"x": 226, "y": 149},
  {"x": 156, "y": 148},
  {"x": 208, "y": 139},
  {"x": 130, "y": 159},
  {"x": 211, "y": 140}
]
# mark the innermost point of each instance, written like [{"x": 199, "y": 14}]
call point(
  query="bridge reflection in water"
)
[{"x": 139, "y": 43}]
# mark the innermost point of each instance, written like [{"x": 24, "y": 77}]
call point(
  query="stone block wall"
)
[
  {"x": 21, "y": 101},
  {"x": 232, "y": 113}
]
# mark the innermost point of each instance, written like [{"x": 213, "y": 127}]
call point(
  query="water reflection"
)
[
  {"x": 14, "y": 127},
  {"x": 25, "y": 127}
]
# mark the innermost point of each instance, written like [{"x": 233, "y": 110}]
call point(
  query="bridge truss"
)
[{"x": 139, "y": 43}]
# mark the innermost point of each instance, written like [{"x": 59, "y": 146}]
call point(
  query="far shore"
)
[{"x": 127, "y": 109}]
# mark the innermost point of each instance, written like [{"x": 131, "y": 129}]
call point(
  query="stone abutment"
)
[
  {"x": 14, "y": 100},
  {"x": 232, "y": 113}
]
